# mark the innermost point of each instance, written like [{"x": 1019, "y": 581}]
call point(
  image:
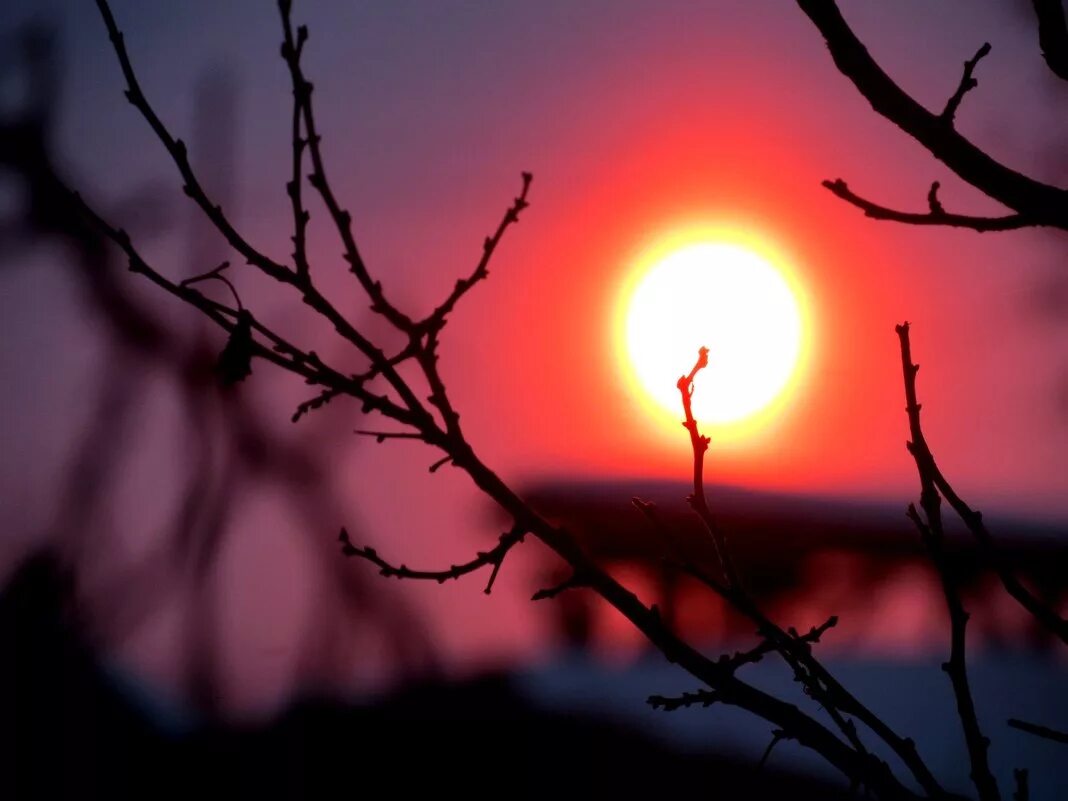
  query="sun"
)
[{"x": 726, "y": 297}]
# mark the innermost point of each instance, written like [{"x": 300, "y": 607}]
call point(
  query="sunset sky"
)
[{"x": 636, "y": 126}]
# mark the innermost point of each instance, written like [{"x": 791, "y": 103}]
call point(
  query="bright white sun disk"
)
[{"x": 730, "y": 300}]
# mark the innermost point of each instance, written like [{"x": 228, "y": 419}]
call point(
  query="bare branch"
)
[
  {"x": 1045, "y": 732},
  {"x": 437, "y": 318},
  {"x": 699, "y": 442},
  {"x": 1053, "y": 35},
  {"x": 444, "y": 460},
  {"x": 1041, "y": 203},
  {"x": 292, "y": 48},
  {"x": 492, "y": 557},
  {"x": 817, "y": 680},
  {"x": 311, "y": 296},
  {"x": 931, "y": 532},
  {"x": 937, "y": 215},
  {"x": 320, "y": 400},
  {"x": 1043, "y": 613},
  {"x": 769, "y": 645},
  {"x": 318, "y": 178},
  {"x": 216, "y": 275},
  {"x": 177, "y": 150},
  {"x": 967, "y": 83}
]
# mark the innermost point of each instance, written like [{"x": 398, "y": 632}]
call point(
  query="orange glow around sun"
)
[{"x": 726, "y": 292}]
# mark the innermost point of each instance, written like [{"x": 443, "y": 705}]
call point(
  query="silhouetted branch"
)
[
  {"x": 937, "y": 215},
  {"x": 177, "y": 150},
  {"x": 931, "y": 532},
  {"x": 292, "y": 48},
  {"x": 320, "y": 400},
  {"x": 342, "y": 218},
  {"x": 215, "y": 275},
  {"x": 1053, "y": 35},
  {"x": 967, "y": 83},
  {"x": 699, "y": 442},
  {"x": 925, "y": 461},
  {"x": 1039, "y": 731},
  {"x": 437, "y": 318},
  {"x": 492, "y": 557},
  {"x": 444, "y": 460},
  {"x": 768, "y": 645},
  {"x": 1039, "y": 203},
  {"x": 818, "y": 682}
]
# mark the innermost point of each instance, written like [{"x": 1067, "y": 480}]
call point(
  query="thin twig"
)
[
  {"x": 342, "y": 218},
  {"x": 925, "y": 462},
  {"x": 1045, "y": 732},
  {"x": 699, "y": 442},
  {"x": 931, "y": 532},
  {"x": 967, "y": 83},
  {"x": 937, "y": 215},
  {"x": 292, "y": 48},
  {"x": 576, "y": 580},
  {"x": 320, "y": 400},
  {"x": 216, "y": 275},
  {"x": 437, "y": 318},
  {"x": 493, "y": 557}
]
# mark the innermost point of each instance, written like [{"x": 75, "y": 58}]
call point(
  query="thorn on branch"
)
[
  {"x": 439, "y": 464},
  {"x": 317, "y": 402},
  {"x": 574, "y": 581}
]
